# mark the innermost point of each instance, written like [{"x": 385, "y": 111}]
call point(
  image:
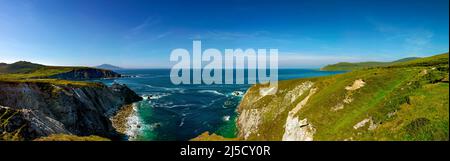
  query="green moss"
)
[
  {"x": 5, "y": 118},
  {"x": 212, "y": 137}
]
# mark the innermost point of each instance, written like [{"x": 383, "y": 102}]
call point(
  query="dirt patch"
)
[
  {"x": 356, "y": 85},
  {"x": 338, "y": 107},
  {"x": 372, "y": 125}
]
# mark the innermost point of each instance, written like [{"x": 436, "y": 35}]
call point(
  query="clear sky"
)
[{"x": 141, "y": 34}]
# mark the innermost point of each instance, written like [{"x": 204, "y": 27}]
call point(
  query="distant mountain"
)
[
  {"x": 406, "y": 59},
  {"x": 109, "y": 67},
  {"x": 362, "y": 65}
]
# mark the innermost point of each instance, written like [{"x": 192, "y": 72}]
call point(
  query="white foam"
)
[
  {"x": 154, "y": 96},
  {"x": 210, "y": 91},
  {"x": 184, "y": 105},
  {"x": 237, "y": 93},
  {"x": 180, "y": 90},
  {"x": 182, "y": 122},
  {"x": 133, "y": 124},
  {"x": 211, "y": 103},
  {"x": 226, "y": 118}
]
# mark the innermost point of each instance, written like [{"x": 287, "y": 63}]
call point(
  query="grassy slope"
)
[
  {"x": 387, "y": 90},
  {"x": 29, "y": 72},
  {"x": 407, "y": 100},
  {"x": 19, "y": 67},
  {"x": 345, "y": 66}
]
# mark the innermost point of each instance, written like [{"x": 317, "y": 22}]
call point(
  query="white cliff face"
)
[
  {"x": 299, "y": 130},
  {"x": 298, "y": 91},
  {"x": 248, "y": 121}
]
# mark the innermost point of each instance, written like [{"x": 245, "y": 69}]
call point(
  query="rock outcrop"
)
[
  {"x": 295, "y": 129},
  {"x": 86, "y": 73},
  {"x": 44, "y": 108}
]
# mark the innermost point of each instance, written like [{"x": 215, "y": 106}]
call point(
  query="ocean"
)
[{"x": 182, "y": 112}]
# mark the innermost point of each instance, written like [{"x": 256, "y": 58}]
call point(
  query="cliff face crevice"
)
[{"x": 47, "y": 108}]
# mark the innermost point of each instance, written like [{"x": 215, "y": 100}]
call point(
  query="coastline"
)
[{"x": 120, "y": 120}]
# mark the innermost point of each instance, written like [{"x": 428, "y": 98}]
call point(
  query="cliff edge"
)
[
  {"x": 406, "y": 100},
  {"x": 47, "y": 100}
]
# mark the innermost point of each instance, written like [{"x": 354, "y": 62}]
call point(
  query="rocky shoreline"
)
[
  {"x": 44, "y": 109},
  {"x": 120, "y": 120}
]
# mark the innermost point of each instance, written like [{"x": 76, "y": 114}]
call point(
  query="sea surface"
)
[{"x": 182, "y": 112}]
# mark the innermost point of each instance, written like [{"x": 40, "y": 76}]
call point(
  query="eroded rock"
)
[
  {"x": 299, "y": 130},
  {"x": 357, "y": 84}
]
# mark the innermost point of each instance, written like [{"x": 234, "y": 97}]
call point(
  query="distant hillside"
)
[
  {"x": 54, "y": 103},
  {"x": 19, "y": 67},
  {"x": 26, "y": 71},
  {"x": 345, "y": 66},
  {"x": 407, "y": 100},
  {"x": 406, "y": 59},
  {"x": 109, "y": 67}
]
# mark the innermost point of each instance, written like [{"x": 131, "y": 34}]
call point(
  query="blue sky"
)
[{"x": 141, "y": 34}]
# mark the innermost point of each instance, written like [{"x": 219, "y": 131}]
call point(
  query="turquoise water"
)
[{"x": 182, "y": 112}]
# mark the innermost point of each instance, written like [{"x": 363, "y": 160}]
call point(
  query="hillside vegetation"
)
[
  {"x": 406, "y": 100},
  {"x": 56, "y": 103},
  {"x": 345, "y": 66},
  {"x": 30, "y": 72},
  {"x": 19, "y": 67}
]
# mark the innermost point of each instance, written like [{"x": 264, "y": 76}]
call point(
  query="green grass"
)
[
  {"x": 55, "y": 82},
  {"x": 345, "y": 66},
  {"x": 19, "y": 67},
  {"x": 425, "y": 117},
  {"x": 376, "y": 94},
  {"x": 25, "y": 72},
  {"x": 65, "y": 137},
  {"x": 6, "y": 115}
]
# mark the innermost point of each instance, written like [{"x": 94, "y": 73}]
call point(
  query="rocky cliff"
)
[
  {"x": 86, "y": 73},
  {"x": 403, "y": 101},
  {"x": 36, "y": 109},
  {"x": 406, "y": 100}
]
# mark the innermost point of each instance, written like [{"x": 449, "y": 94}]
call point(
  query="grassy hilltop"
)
[
  {"x": 345, "y": 66},
  {"x": 56, "y": 102},
  {"x": 23, "y": 71},
  {"x": 405, "y": 100}
]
